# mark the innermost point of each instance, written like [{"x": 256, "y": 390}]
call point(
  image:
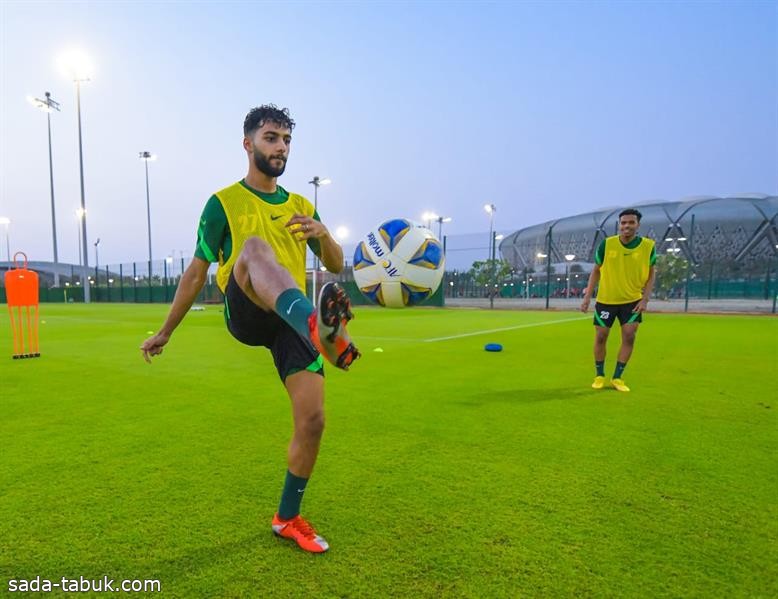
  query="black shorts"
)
[
  {"x": 252, "y": 325},
  {"x": 606, "y": 314}
]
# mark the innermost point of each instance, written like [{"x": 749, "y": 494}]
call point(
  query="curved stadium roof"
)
[{"x": 741, "y": 230}]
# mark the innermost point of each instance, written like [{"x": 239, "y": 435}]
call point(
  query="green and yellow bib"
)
[
  {"x": 249, "y": 216},
  {"x": 624, "y": 271}
]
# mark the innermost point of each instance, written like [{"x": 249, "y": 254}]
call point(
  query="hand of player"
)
[
  {"x": 585, "y": 304},
  {"x": 153, "y": 346},
  {"x": 641, "y": 306},
  {"x": 306, "y": 227}
]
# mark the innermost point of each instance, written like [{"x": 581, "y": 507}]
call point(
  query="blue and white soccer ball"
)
[{"x": 398, "y": 263}]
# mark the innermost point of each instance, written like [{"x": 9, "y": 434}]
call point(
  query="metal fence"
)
[{"x": 547, "y": 274}]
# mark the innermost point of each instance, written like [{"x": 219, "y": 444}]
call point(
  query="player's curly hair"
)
[
  {"x": 631, "y": 212},
  {"x": 267, "y": 113}
]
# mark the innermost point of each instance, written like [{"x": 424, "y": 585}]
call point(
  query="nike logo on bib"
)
[{"x": 276, "y": 217}]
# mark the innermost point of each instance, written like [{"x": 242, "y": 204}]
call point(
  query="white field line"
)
[{"x": 519, "y": 326}]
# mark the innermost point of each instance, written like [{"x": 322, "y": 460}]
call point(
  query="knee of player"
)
[
  {"x": 601, "y": 335},
  {"x": 312, "y": 425},
  {"x": 629, "y": 337}
]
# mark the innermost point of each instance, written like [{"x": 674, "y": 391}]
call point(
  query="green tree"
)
[
  {"x": 489, "y": 272},
  {"x": 670, "y": 273}
]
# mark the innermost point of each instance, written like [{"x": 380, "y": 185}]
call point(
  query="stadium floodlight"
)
[
  {"x": 341, "y": 233},
  {"x": 77, "y": 66},
  {"x": 429, "y": 217},
  {"x": 316, "y": 182},
  {"x": 4, "y": 220},
  {"x": 569, "y": 257},
  {"x": 499, "y": 237},
  {"x": 48, "y": 106},
  {"x": 541, "y": 255}
]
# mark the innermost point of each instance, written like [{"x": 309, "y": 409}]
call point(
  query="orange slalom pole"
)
[{"x": 36, "y": 351}]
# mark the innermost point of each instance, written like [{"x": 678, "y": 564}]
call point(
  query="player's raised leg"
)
[{"x": 272, "y": 288}]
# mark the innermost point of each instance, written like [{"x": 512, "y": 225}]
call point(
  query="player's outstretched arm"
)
[
  {"x": 189, "y": 288},
  {"x": 594, "y": 278}
]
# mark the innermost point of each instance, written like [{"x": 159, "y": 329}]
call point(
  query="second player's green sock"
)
[
  {"x": 600, "y": 366},
  {"x": 295, "y": 308},
  {"x": 620, "y": 366}
]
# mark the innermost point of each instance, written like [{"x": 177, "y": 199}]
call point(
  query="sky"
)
[{"x": 544, "y": 109}]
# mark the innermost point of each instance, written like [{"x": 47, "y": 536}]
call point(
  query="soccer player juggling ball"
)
[
  {"x": 624, "y": 268},
  {"x": 258, "y": 233}
]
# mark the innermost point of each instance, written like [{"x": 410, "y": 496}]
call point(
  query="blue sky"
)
[{"x": 544, "y": 109}]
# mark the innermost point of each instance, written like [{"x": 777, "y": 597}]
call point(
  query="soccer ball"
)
[{"x": 399, "y": 263}]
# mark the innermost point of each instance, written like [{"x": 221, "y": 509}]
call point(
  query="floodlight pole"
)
[
  {"x": 84, "y": 283},
  {"x": 48, "y": 105},
  {"x": 490, "y": 209},
  {"x": 316, "y": 182},
  {"x": 97, "y": 259},
  {"x": 315, "y": 273},
  {"x": 4, "y": 220},
  {"x": 775, "y": 291},
  {"x": 441, "y": 220},
  {"x": 494, "y": 270},
  {"x": 568, "y": 259},
  {"x": 80, "y": 249},
  {"x": 548, "y": 264},
  {"x": 690, "y": 252},
  {"x": 146, "y": 156}
]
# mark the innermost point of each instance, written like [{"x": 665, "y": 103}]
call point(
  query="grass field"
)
[{"x": 445, "y": 471}]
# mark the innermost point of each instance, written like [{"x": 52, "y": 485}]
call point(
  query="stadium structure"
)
[{"x": 739, "y": 233}]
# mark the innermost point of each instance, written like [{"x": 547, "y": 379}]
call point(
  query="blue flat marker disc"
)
[{"x": 493, "y": 347}]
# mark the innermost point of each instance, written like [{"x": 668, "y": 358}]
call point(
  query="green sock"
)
[
  {"x": 600, "y": 366},
  {"x": 292, "y": 496},
  {"x": 295, "y": 308},
  {"x": 620, "y": 366}
]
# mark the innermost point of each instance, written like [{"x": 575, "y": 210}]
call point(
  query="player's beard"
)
[{"x": 264, "y": 166}]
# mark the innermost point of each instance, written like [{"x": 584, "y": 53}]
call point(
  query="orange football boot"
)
[
  {"x": 327, "y": 325},
  {"x": 301, "y": 532}
]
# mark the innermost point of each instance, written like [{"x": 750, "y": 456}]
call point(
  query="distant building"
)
[{"x": 735, "y": 233}]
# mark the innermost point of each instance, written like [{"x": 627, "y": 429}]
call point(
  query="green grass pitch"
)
[{"x": 445, "y": 470}]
